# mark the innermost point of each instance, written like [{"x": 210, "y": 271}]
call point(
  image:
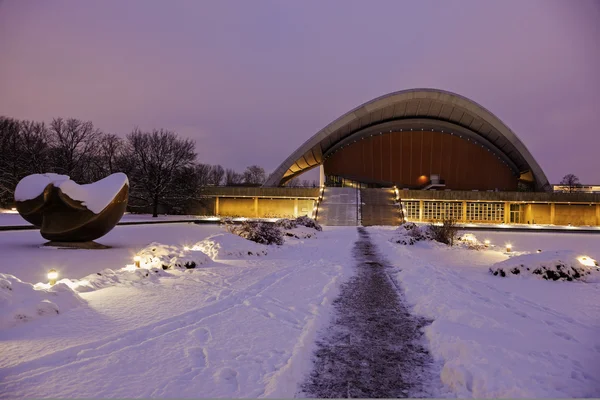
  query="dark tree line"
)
[{"x": 162, "y": 167}]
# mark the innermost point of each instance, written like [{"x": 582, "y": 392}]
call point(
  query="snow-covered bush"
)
[
  {"x": 286, "y": 223},
  {"x": 558, "y": 265},
  {"x": 157, "y": 255},
  {"x": 469, "y": 241},
  {"x": 299, "y": 228},
  {"x": 226, "y": 246},
  {"x": 259, "y": 232},
  {"x": 410, "y": 233},
  {"x": 445, "y": 232},
  {"x": 21, "y": 301},
  {"x": 308, "y": 222}
]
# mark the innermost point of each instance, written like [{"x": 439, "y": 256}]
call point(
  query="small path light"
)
[
  {"x": 137, "y": 260},
  {"x": 487, "y": 243},
  {"x": 539, "y": 250},
  {"x": 186, "y": 248},
  {"x": 587, "y": 261},
  {"x": 52, "y": 276},
  {"x": 508, "y": 247}
]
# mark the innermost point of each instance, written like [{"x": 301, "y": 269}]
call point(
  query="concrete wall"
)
[
  {"x": 538, "y": 213},
  {"x": 575, "y": 214},
  {"x": 284, "y": 208},
  {"x": 263, "y": 207},
  {"x": 236, "y": 207}
]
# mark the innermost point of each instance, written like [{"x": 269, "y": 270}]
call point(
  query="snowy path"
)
[
  {"x": 516, "y": 337},
  {"x": 374, "y": 349},
  {"x": 240, "y": 329}
]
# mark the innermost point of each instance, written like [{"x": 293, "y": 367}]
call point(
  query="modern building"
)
[
  {"x": 418, "y": 139},
  {"x": 421, "y": 155}
]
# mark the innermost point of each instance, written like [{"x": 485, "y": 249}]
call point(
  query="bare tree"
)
[
  {"x": 216, "y": 175},
  {"x": 254, "y": 175},
  {"x": 73, "y": 142},
  {"x": 36, "y": 149},
  {"x": 203, "y": 172},
  {"x": 11, "y": 158},
  {"x": 233, "y": 178},
  {"x": 305, "y": 183},
  {"x": 158, "y": 157},
  {"x": 571, "y": 181}
]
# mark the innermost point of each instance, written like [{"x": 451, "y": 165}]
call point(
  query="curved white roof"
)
[{"x": 414, "y": 109}]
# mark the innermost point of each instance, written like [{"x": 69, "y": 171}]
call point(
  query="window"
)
[
  {"x": 411, "y": 210},
  {"x": 485, "y": 212}
]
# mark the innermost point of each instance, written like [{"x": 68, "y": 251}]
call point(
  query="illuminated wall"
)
[{"x": 408, "y": 158}]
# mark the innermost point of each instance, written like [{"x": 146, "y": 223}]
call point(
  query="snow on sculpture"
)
[{"x": 68, "y": 212}]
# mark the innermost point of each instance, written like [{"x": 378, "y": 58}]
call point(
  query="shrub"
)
[
  {"x": 409, "y": 233},
  {"x": 259, "y": 232},
  {"x": 308, "y": 222},
  {"x": 286, "y": 223},
  {"x": 445, "y": 233}
]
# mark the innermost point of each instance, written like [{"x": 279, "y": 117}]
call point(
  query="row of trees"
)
[{"x": 162, "y": 167}]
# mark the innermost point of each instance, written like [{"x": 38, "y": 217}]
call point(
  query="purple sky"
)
[{"x": 252, "y": 80}]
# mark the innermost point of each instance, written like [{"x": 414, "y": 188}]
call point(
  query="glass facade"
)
[{"x": 492, "y": 212}]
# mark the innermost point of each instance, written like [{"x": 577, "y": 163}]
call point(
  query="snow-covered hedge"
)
[
  {"x": 299, "y": 228},
  {"x": 410, "y": 233},
  {"x": 157, "y": 255},
  {"x": 21, "y": 301},
  {"x": 227, "y": 245},
  {"x": 287, "y": 224},
  {"x": 259, "y": 232},
  {"x": 553, "y": 265}
]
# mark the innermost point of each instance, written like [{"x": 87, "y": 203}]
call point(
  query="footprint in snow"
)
[
  {"x": 202, "y": 335},
  {"x": 197, "y": 357},
  {"x": 566, "y": 336},
  {"x": 226, "y": 375}
]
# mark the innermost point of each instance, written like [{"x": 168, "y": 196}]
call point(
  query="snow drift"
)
[
  {"x": 22, "y": 302},
  {"x": 563, "y": 265},
  {"x": 223, "y": 246}
]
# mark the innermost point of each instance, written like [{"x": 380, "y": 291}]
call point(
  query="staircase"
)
[
  {"x": 379, "y": 207},
  {"x": 339, "y": 207}
]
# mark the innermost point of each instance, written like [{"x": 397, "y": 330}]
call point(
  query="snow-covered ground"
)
[
  {"x": 518, "y": 336},
  {"x": 244, "y": 325},
  {"x": 238, "y": 327}
]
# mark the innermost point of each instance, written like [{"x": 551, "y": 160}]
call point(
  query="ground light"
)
[
  {"x": 137, "y": 260},
  {"x": 52, "y": 276},
  {"x": 186, "y": 248},
  {"x": 508, "y": 247},
  {"x": 487, "y": 243},
  {"x": 587, "y": 261}
]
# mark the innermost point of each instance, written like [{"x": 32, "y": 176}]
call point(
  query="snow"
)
[
  {"x": 225, "y": 246},
  {"x": 563, "y": 264},
  {"x": 25, "y": 257},
  {"x": 495, "y": 337},
  {"x": 95, "y": 196},
  {"x": 21, "y": 302},
  {"x": 240, "y": 325},
  {"x": 32, "y": 186}
]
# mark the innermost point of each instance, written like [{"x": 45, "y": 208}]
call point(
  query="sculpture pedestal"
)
[{"x": 91, "y": 245}]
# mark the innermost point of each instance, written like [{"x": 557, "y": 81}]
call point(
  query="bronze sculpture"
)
[{"x": 67, "y": 212}]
